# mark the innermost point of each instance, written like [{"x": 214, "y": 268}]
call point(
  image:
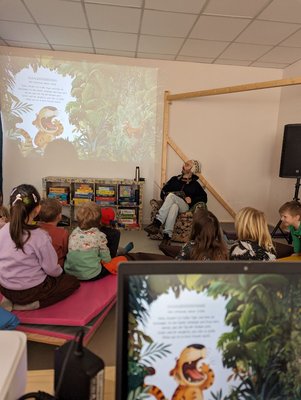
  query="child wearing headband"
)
[{"x": 30, "y": 276}]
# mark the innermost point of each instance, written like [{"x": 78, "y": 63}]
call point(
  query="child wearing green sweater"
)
[
  {"x": 88, "y": 256},
  {"x": 290, "y": 214}
]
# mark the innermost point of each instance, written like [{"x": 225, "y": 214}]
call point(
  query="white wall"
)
[
  {"x": 234, "y": 136},
  {"x": 283, "y": 189}
]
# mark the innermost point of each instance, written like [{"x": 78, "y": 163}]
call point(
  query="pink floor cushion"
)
[
  {"x": 58, "y": 334},
  {"x": 78, "y": 309}
]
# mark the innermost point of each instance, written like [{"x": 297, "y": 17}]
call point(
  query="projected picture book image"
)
[
  {"x": 106, "y": 111},
  {"x": 214, "y": 337}
]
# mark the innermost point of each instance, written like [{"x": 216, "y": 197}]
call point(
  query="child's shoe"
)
[{"x": 122, "y": 251}]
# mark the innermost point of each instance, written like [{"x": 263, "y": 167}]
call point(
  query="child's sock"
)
[
  {"x": 128, "y": 247},
  {"x": 124, "y": 250}
]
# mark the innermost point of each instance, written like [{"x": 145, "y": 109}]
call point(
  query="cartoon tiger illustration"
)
[
  {"x": 48, "y": 127},
  {"x": 192, "y": 374},
  {"x": 137, "y": 380}
]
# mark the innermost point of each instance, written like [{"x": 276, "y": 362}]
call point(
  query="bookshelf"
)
[{"x": 125, "y": 196}]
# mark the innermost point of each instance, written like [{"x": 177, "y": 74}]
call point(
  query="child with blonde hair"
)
[
  {"x": 88, "y": 256},
  {"x": 254, "y": 239},
  {"x": 290, "y": 215}
]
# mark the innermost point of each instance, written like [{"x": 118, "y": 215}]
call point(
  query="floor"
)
[{"x": 103, "y": 343}]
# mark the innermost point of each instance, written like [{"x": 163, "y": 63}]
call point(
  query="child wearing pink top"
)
[{"x": 29, "y": 270}]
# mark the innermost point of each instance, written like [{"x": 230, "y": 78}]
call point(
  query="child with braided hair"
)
[{"x": 30, "y": 276}]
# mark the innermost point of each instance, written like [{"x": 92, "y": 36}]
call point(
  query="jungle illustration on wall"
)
[
  {"x": 106, "y": 111},
  {"x": 214, "y": 337}
]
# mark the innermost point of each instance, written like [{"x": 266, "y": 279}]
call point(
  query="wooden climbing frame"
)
[{"x": 167, "y": 140}]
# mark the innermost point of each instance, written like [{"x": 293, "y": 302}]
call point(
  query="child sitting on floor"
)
[
  {"x": 49, "y": 216},
  {"x": 108, "y": 227},
  {"x": 290, "y": 214},
  {"x": 30, "y": 275},
  {"x": 254, "y": 239},
  {"x": 206, "y": 240},
  {"x": 88, "y": 255}
]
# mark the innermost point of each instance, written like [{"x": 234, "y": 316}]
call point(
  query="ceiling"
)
[{"x": 259, "y": 33}]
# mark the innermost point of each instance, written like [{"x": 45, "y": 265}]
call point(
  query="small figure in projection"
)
[
  {"x": 49, "y": 128},
  {"x": 192, "y": 374},
  {"x": 131, "y": 131}
]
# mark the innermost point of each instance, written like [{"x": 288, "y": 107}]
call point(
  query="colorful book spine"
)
[
  {"x": 78, "y": 202},
  {"x": 59, "y": 193}
]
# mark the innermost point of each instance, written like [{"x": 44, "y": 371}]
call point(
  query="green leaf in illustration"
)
[
  {"x": 232, "y": 317},
  {"x": 255, "y": 332},
  {"x": 243, "y": 281},
  {"x": 246, "y": 318}
]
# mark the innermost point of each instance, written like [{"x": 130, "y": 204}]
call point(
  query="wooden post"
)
[
  {"x": 165, "y": 138},
  {"x": 213, "y": 92}
]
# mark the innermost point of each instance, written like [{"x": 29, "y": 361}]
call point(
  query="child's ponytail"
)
[{"x": 23, "y": 200}]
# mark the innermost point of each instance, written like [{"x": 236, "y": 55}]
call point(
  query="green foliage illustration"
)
[
  {"x": 113, "y": 113},
  {"x": 263, "y": 347}
]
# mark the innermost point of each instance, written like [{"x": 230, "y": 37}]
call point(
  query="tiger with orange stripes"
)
[{"x": 191, "y": 373}]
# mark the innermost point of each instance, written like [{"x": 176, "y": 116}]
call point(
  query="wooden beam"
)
[
  {"x": 40, "y": 338},
  {"x": 235, "y": 89},
  {"x": 212, "y": 92},
  {"x": 164, "y": 139},
  {"x": 217, "y": 196},
  {"x": 176, "y": 149},
  {"x": 202, "y": 179}
]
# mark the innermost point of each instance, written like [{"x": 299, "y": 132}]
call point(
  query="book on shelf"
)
[
  {"x": 127, "y": 204},
  {"x": 127, "y": 216},
  {"x": 105, "y": 200},
  {"x": 84, "y": 192},
  {"x": 125, "y": 221},
  {"x": 84, "y": 188},
  {"x": 61, "y": 197},
  {"x": 127, "y": 211},
  {"x": 60, "y": 193},
  {"x": 105, "y": 191},
  {"x": 77, "y": 201},
  {"x": 126, "y": 191},
  {"x": 128, "y": 195},
  {"x": 58, "y": 189},
  {"x": 83, "y": 195}
]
